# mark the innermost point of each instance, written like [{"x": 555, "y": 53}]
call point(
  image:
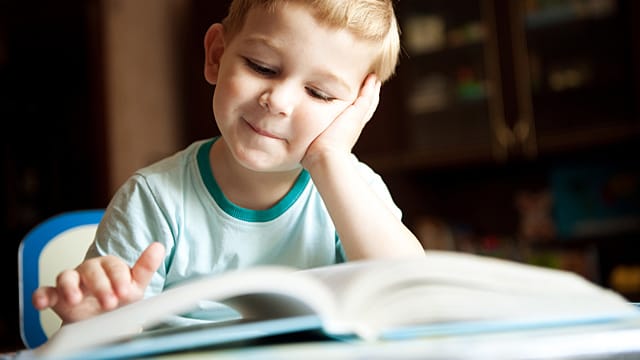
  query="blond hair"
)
[{"x": 371, "y": 20}]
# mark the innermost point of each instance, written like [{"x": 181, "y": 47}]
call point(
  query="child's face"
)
[{"x": 280, "y": 82}]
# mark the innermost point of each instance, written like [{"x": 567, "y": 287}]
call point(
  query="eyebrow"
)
[{"x": 263, "y": 41}]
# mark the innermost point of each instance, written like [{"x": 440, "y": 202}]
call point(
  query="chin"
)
[
  {"x": 265, "y": 163},
  {"x": 272, "y": 168}
]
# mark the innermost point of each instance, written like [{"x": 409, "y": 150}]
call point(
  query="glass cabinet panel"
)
[
  {"x": 574, "y": 69},
  {"x": 451, "y": 93}
]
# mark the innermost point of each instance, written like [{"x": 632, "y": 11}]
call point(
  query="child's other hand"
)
[
  {"x": 99, "y": 285},
  {"x": 345, "y": 130}
]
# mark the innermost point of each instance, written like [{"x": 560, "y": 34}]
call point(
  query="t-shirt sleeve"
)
[{"x": 378, "y": 186}]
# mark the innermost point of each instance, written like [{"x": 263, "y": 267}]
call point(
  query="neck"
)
[{"x": 247, "y": 188}]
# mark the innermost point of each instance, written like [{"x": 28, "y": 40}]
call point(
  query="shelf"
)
[
  {"x": 418, "y": 160},
  {"x": 560, "y": 141},
  {"x": 458, "y": 106},
  {"x": 448, "y": 51},
  {"x": 570, "y": 12}
]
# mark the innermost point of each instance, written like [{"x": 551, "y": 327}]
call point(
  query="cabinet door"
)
[
  {"x": 574, "y": 66},
  {"x": 450, "y": 80}
]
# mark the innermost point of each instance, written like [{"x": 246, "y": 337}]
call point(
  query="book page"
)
[
  {"x": 260, "y": 293},
  {"x": 450, "y": 286}
]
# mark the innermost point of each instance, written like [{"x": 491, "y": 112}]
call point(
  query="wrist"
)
[{"x": 321, "y": 162}]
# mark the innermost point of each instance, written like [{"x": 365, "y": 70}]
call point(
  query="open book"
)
[{"x": 442, "y": 293}]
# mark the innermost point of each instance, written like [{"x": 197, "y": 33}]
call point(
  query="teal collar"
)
[{"x": 204, "y": 165}]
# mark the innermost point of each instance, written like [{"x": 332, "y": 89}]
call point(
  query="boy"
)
[{"x": 296, "y": 82}]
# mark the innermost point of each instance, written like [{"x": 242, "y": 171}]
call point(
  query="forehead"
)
[{"x": 292, "y": 31}]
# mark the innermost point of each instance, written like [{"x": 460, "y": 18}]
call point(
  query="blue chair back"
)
[{"x": 54, "y": 245}]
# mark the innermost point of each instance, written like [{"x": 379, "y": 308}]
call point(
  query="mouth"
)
[{"x": 263, "y": 132}]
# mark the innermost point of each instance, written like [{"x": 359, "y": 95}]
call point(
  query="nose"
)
[{"x": 278, "y": 99}]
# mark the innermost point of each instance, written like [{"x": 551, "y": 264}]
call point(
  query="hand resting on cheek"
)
[{"x": 343, "y": 132}]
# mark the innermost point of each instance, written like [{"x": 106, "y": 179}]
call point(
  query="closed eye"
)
[
  {"x": 266, "y": 71},
  {"x": 260, "y": 69},
  {"x": 319, "y": 94}
]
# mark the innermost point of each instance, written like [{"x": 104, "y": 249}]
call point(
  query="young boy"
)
[{"x": 296, "y": 82}]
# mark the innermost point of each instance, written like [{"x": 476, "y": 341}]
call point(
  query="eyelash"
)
[
  {"x": 265, "y": 71},
  {"x": 319, "y": 95},
  {"x": 262, "y": 70}
]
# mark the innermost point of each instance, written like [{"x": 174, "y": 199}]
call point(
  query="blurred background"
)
[{"x": 512, "y": 127}]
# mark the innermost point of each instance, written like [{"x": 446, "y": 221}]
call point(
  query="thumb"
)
[{"x": 147, "y": 264}]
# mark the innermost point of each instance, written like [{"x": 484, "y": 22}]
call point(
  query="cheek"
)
[
  {"x": 227, "y": 94},
  {"x": 220, "y": 112}
]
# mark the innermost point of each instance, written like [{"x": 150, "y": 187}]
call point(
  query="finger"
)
[
  {"x": 44, "y": 297},
  {"x": 95, "y": 281},
  {"x": 369, "y": 85},
  {"x": 375, "y": 100},
  {"x": 119, "y": 275},
  {"x": 147, "y": 264},
  {"x": 68, "y": 286},
  {"x": 369, "y": 96}
]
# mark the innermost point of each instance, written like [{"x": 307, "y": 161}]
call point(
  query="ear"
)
[{"x": 213, "y": 50}]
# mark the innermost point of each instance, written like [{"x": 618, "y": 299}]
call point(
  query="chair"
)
[{"x": 54, "y": 245}]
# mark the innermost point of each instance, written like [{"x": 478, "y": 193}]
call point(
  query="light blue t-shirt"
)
[{"x": 177, "y": 202}]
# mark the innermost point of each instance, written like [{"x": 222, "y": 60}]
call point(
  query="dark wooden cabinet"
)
[{"x": 492, "y": 102}]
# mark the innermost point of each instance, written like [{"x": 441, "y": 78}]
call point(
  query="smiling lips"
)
[{"x": 262, "y": 132}]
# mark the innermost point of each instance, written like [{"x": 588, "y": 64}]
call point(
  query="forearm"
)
[{"x": 365, "y": 224}]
